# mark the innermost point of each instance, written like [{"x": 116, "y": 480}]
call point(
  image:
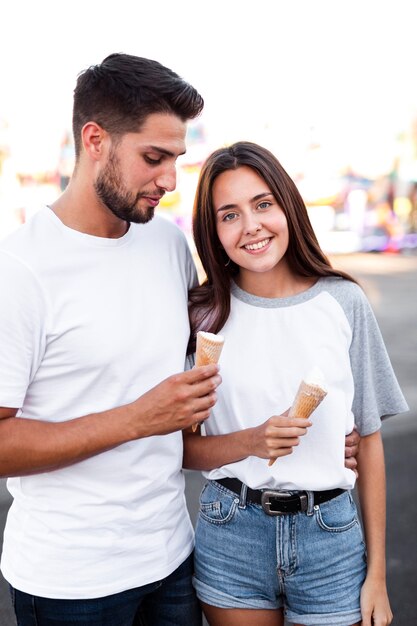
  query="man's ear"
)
[{"x": 94, "y": 138}]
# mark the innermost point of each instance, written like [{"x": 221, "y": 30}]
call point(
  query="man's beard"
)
[{"x": 119, "y": 201}]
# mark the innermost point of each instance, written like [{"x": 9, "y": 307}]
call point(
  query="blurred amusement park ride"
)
[{"x": 364, "y": 215}]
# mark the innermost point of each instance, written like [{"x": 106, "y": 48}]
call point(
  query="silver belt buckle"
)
[{"x": 281, "y": 495}]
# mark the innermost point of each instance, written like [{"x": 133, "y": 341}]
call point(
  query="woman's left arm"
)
[{"x": 375, "y": 605}]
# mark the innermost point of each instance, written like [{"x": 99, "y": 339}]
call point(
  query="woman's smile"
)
[{"x": 257, "y": 246}]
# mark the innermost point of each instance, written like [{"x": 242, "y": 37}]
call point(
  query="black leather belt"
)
[{"x": 279, "y": 502}]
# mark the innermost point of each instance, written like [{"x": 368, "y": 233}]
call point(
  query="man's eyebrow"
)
[
  {"x": 259, "y": 196},
  {"x": 164, "y": 152}
]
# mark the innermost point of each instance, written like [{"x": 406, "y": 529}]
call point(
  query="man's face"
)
[{"x": 141, "y": 167}]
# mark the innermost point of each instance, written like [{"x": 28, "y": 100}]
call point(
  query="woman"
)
[{"x": 283, "y": 310}]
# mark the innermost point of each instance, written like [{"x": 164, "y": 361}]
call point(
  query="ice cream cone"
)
[
  {"x": 208, "y": 350},
  {"x": 308, "y": 397},
  {"x": 209, "y": 347}
]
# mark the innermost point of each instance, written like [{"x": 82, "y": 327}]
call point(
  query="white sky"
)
[{"x": 269, "y": 70}]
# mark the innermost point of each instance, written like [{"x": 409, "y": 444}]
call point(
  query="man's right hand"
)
[
  {"x": 30, "y": 446},
  {"x": 176, "y": 403}
]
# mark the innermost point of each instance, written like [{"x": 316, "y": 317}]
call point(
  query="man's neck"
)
[{"x": 78, "y": 208}]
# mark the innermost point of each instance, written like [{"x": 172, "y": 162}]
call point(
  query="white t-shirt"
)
[
  {"x": 270, "y": 346},
  {"x": 90, "y": 324}
]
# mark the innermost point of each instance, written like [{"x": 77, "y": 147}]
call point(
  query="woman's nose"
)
[{"x": 252, "y": 225}]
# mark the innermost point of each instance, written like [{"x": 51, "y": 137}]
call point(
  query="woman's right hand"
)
[
  {"x": 274, "y": 438},
  {"x": 278, "y": 435}
]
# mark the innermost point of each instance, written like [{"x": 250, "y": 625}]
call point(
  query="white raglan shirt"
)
[
  {"x": 270, "y": 346},
  {"x": 88, "y": 324}
]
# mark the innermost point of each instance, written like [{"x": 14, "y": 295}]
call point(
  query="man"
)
[{"x": 93, "y": 316}]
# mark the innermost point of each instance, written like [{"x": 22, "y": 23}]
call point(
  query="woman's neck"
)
[{"x": 280, "y": 282}]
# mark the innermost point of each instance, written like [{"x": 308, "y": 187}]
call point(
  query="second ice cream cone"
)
[{"x": 308, "y": 397}]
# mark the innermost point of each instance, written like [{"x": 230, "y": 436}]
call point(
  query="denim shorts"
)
[{"x": 312, "y": 565}]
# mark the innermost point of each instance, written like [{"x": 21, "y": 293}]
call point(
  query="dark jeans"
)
[{"x": 168, "y": 602}]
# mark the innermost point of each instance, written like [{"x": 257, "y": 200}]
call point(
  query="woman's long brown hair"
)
[{"x": 209, "y": 303}]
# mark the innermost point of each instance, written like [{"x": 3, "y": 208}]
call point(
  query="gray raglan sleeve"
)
[{"x": 377, "y": 392}]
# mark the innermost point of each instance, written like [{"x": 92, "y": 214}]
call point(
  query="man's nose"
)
[{"x": 167, "y": 180}]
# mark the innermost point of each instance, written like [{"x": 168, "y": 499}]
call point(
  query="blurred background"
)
[{"x": 328, "y": 86}]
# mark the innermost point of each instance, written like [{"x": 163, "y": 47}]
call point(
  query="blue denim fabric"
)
[
  {"x": 169, "y": 602},
  {"x": 311, "y": 564}
]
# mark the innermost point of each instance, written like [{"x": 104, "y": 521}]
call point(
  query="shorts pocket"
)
[
  {"x": 337, "y": 515},
  {"x": 217, "y": 506}
]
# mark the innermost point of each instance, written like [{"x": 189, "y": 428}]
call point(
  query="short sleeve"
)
[
  {"x": 377, "y": 393},
  {"x": 22, "y": 324},
  {"x": 192, "y": 278}
]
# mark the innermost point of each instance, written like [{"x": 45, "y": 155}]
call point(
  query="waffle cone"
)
[
  {"x": 308, "y": 398},
  {"x": 209, "y": 347}
]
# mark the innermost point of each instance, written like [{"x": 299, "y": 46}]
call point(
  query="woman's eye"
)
[
  {"x": 228, "y": 217},
  {"x": 264, "y": 205}
]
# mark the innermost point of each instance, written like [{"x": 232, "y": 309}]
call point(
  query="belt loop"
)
[
  {"x": 310, "y": 502},
  {"x": 243, "y": 494}
]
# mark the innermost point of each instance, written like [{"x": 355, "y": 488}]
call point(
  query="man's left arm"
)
[{"x": 352, "y": 442}]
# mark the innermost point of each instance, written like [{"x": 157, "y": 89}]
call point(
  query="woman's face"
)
[{"x": 251, "y": 225}]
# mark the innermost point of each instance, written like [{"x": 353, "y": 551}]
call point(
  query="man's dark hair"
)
[{"x": 120, "y": 93}]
